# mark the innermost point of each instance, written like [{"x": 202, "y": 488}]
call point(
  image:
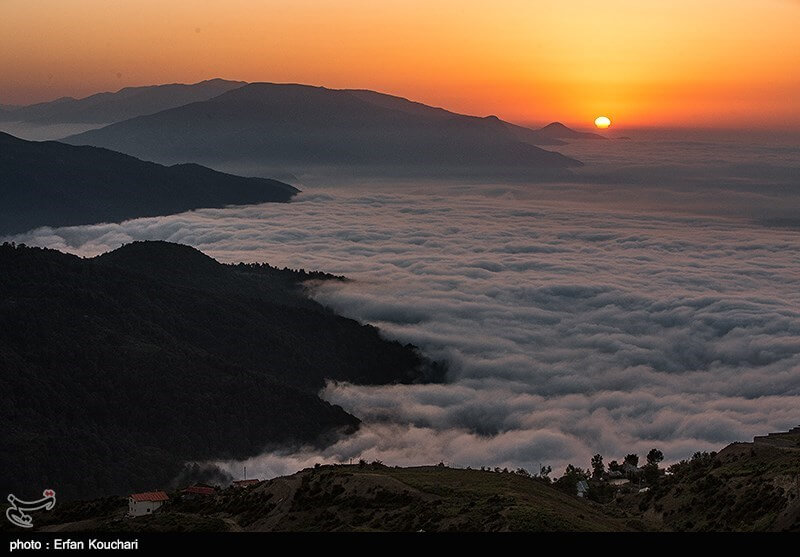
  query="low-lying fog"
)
[{"x": 652, "y": 302}]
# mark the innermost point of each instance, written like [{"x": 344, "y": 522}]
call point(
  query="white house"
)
[
  {"x": 140, "y": 504},
  {"x": 582, "y": 487}
]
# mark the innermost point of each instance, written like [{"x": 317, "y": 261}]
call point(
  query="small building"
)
[
  {"x": 245, "y": 483},
  {"x": 617, "y": 482},
  {"x": 141, "y": 504},
  {"x": 582, "y": 487},
  {"x": 784, "y": 439},
  {"x": 198, "y": 491}
]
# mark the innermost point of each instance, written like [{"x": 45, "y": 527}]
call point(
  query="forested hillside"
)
[{"x": 116, "y": 370}]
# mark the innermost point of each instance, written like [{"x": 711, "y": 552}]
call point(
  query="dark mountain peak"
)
[
  {"x": 157, "y": 255},
  {"x": 216, "y": 82},
  {"x": 85, "y": 185},
  {"x": 8, "y": 139},
  {"x": 15, "y": 254},
  {"x": 151, "y": 361},
  {"x": 282, "y": 94},
  {"x": 126, "y": 103},
  {"x": 59, "y": 100},
  {"x": 261, "y": 87},
  {"x": 400, "y": 104},
  {"x": 301, "y": 128},
  {"x": 557, "y": 130}
]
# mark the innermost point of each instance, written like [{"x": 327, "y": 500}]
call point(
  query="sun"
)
[{"x": 602, "y": 122}]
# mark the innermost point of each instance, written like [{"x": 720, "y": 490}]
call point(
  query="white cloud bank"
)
[{"x": 571, "y": 328}]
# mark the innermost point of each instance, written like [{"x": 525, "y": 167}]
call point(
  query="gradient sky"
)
[{"x": 705, "y": 63}]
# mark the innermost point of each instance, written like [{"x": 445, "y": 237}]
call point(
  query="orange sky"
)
[{"x": 707, "y": 63}]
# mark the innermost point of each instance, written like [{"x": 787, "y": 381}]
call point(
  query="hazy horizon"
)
[
  {"x": 708, "y": 64},
  {"x": 720, "y": 129}
]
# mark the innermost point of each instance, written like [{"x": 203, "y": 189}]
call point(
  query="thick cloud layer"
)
[{"x": 571, "y": 327}]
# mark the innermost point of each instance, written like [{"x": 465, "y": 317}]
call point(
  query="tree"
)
[
  {"x": 572, "y": 475},
  {"x": 598, "y": 468},
  {"x": 654, "y": 457},
  {"x": 614, "y": 466},
  {"x": 544, "y": 472},
  {"x": 632, "y": 459},
  {"x": 651, "y": 473}
]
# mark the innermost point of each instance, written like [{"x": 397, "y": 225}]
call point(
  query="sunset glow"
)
[{"x": 708, "y": 64}]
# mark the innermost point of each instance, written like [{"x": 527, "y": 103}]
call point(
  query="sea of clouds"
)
[{"x": 576, "y": 318}]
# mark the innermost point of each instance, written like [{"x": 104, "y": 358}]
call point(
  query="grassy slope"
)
[
  {"x": 349, "y": 498},
  {"x": 745, "y": 487}
]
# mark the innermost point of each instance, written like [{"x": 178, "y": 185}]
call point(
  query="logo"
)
[{"x": 16, "y": 513}]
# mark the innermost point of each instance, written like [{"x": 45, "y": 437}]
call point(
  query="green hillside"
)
[
  {"x": 117, "y": 370},
  {"x": 369, "y": 498},
  {"x": 745, "y": 487}
]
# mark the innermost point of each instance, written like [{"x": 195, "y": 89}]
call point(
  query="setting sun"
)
[{"x": 602, "y": 122}]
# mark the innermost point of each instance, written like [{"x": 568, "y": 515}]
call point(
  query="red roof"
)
[
  {"x": 150, "y": 496},
  {"x": 245, "y": 483},
  {"x": 199, "y": 490}
]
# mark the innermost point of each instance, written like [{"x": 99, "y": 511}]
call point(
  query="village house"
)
[
  {"x": 195, "y": 491},
  {"x": 140, "y": 504}
]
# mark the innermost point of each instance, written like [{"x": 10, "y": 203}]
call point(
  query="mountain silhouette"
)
[
  {"x": 557, "y": 130},
  {"x": 104, "y": 108},
  {"x": 298, "y": 127},
  {"x": 50, "y": 183},
  {"x": 521, "y": 133},
  {"x": 118, "y": 369}
]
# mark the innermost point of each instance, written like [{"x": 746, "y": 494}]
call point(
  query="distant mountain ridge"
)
[
  {"x": 108, "y": 107},
  {"x": 291, "y": 127},
  {"x": 54, "y": 184},
  {"x": 524, "y": 134}
]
